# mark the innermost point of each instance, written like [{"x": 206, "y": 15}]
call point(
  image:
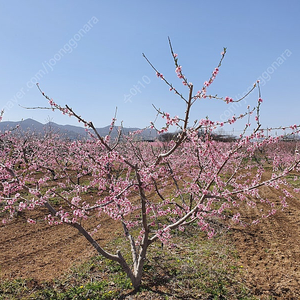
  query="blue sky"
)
[{"x": 88, "y": 54}]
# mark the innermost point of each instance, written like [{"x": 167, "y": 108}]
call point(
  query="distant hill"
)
[{"x": 70, "y": 131}]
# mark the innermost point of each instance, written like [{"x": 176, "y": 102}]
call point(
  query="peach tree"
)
[{"x": 151, "y": 189}]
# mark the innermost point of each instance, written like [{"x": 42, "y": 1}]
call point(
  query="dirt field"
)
[
  {"x": 269, "y": 252},
  {"x": 44, "y": 252}
]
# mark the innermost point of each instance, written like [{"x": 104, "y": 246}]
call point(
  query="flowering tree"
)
[{"x": 150, "y": 189}]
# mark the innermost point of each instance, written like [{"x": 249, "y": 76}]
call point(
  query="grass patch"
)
[{"x": 293, "y": 180}]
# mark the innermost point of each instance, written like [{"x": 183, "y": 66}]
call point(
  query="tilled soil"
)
[
  {"x": 270, "y": 252},
  {"x": 43, "y": 252}
]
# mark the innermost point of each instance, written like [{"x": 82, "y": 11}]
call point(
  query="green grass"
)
[
  {"x": 193, "y": 268},
  {"x": 291, "y": 180}
]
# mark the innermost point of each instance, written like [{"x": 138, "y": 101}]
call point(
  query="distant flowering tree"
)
[{"x": 150, "y": 189}]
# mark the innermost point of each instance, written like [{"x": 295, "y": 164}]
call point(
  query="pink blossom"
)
[
  {"x": 31, "y": 221},
  {"x": 159, "y": 75},
  {"x": 178, "y": 69}
]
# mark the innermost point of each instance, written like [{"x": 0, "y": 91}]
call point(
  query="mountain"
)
[{"x": 70, "y": 131}]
